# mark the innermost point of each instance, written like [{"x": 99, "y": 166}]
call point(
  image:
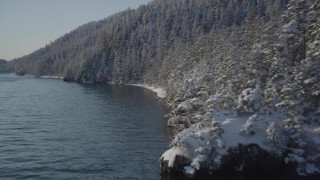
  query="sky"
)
[{"x": 27, "y": 25}]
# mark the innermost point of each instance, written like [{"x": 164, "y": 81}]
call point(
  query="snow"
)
[
  {"x": 51, "y": 77},
  {"x": 312, "y": 80},
  {"x": 295, "y": 158},
  {"x": 226, "y": 122},
  {"x": 170, "y": 155},
  {"x": 45, "y": 77},
  {"x": 273, "y": 107},
  {"x": 311, "y": 168},
  {"x": 232, "y": 136},
  {"x": 161, "y": 93},
  {"x": 250, "y": 99},
  {"x": 196, "y": 163},
  {"x": 189, "y": 171},
  {"x": 196, "y": 102},
  {"x": 221, "y": 132},
  {"x": 184, "y": 106},
  {"x": 218, "y": 130},
  {"x": 224, "y": 130}
]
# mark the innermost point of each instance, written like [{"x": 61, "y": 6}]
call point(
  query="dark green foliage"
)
[{"x": 132, "y": 46}]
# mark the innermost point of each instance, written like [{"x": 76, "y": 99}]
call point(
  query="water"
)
[{"x": 50, "y": 129}]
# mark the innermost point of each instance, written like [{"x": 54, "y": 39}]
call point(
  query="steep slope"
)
[
  {"x": 241, "y": 77},
  {"x": 247, "y": 90},
  {"x": 131, "y": 45}
]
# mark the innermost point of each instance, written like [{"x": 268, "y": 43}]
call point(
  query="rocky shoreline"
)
[
  {"x": 198, "y": 148},
  {"x": 211, "y": 140}
]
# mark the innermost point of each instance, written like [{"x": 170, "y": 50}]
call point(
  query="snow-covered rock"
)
[{"x": 174, "y": 160}]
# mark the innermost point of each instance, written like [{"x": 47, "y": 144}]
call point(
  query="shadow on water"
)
[{"x": 130, "y": 97}]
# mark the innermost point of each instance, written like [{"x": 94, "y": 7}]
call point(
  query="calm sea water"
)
[{"x": 50, "y": 129}]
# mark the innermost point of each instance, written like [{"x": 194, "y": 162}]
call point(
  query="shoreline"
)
[
  {"x": 51, "y": 77},
  {"x": 161, "y": 93},
  {"x": 42, "y": 77}
]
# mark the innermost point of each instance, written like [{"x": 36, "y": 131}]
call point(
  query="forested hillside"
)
[
  {"x": 251, "y": 67},
  {"x": 126, "y": 46},
  {"x": 4, "y": 68},
  {"x": 3, "y": 62}
]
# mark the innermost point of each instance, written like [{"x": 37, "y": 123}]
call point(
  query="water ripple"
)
[{"x": 50, "y": 129}]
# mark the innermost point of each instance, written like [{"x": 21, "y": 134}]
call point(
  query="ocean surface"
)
[{"x": 50, "y": 129}]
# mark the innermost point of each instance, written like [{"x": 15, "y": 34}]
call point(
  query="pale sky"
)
[{"x": 27, "y": 25}]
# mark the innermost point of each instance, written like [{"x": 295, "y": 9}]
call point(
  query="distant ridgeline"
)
[{"x": 250, "y": 57}]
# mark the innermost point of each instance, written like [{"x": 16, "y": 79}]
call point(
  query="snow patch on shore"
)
[
  {"x": 44, "y": 77},
  {"x": 51, "y": 77},
  {"x": 161, "y": 93},
  {"x": 170, "y": 155}
]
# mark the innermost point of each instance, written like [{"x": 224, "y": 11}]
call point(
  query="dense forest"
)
[
  {"x": 4, "y": 66},
  {"x": 258, "y": 59},
  {"x": 127, "y": 46}
]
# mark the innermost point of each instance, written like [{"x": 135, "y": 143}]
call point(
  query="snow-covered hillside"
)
[
  {"x": 242, "y": 78},
  {"x": 267, "y": 95}
]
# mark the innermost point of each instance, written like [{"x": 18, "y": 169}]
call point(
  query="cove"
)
[{"x": 50, "y": 129}]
